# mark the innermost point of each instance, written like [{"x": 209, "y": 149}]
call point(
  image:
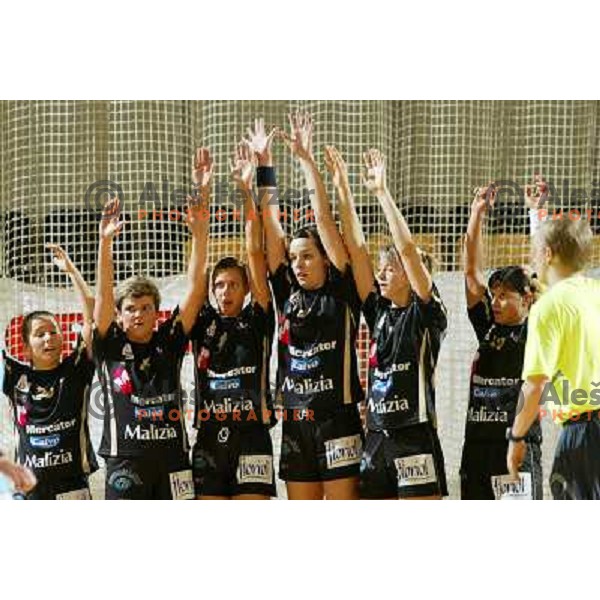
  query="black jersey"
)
[
  {"x": 143, "y": 400},
  {"x": 495, "y": 375},
  {"x": 317, "y": 337},
  {"x": 232, "y": 356},
  {"x": 404, "y": 348},
  {"x": 51, "y": 417}
]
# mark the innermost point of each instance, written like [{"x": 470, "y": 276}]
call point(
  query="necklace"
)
[{"x": 304, "y": 310}]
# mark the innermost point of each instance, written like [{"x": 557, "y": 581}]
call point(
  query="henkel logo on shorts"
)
[
  {"x": 256, "y": 468},
  {"x": 343, "y": 452},
  {"x": 415, "y": 470},
  {"x": 507, "y": 489},
  {"x": 182, "y": 485}
]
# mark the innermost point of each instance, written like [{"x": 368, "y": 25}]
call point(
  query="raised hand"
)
[
  {"x": 536, "y": 199},
  {"x": 242, "y": 166},
  {"x": 60, "y": 258},
  {"x": 375, "y": 180},
  {"x": 203, "y": 169},
  {"x": 110, "y": 226},
  {"x": 261, "y": 143},
  {"x": 484, "y": 198},
  {"x": 300, "y": 140},
  {"x": 197, "y": 214},
  {"x": 337, "y": 167}
]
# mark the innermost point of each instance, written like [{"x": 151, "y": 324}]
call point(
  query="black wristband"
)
[
  {"x": 265, "y": 177},
  {"x": 513, "y": 438}
]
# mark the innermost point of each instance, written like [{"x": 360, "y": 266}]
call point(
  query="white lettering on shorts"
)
[
  {"x": 255, "y": 468},
  {"x": 82, "y": 494},
  {"x": 506, "y": 489},
  {"x": 415, "y": 470},
  {"x": 182, "y": 485},
  {"x": 343, "y": 452}
]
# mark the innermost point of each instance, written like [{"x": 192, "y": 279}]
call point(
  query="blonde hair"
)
[{"x": 570, "y": 240}]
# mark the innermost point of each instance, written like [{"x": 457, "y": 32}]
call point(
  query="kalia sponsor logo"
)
[
  {"x": 225, "y": 384},
  {"x": 50, "y": 441}
]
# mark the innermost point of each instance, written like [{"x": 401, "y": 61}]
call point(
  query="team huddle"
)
[{"x": 338, "y": 440}]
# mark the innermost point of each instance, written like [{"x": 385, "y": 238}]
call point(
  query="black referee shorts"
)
[{"x": 576, "y": 468}]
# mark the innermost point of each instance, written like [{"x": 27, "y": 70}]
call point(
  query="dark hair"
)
[
  {"x": 390, "y": 252},
  {"x": 517, "y": 279},
  {"x": 136, "y": 287},
  {"x": 28, "y": 321},
  {"x": 310, "y": 232},
  {"x": 226, "y": 264}
]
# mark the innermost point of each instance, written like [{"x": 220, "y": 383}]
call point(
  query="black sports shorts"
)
[
  {"x": 152, "y": 477},
  {"x": 403, "y": 463},
  {"x": 484, "y": 476},
  {"x": 75, "y": 488},
  {"x": 229, "y": 461},
  {"x": 321, "y": 449}
]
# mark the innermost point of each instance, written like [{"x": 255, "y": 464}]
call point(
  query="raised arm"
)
[
  {"x": 242, "y": 170},
  {"x": 63, "y": 261},
  {"x": 475, "y": 285},
  {"x": 418, "y": 276},
  {"x": 261, "y": 145},
  {"x": 300, "y": 143},
  {"x": 536, "y": 202},
  {"x": 198, "y": 223},
  {"x": 110, "y": 226},
  {"x": 352, "y": 232}
]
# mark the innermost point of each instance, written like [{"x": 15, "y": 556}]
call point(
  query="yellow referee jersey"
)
[{"x": 563, "y": 343}]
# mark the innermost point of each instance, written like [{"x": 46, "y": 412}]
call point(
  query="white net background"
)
[{"x": 52, "y": 151}]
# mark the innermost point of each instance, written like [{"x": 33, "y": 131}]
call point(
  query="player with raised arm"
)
[
  {"x": 233, "y": 455},
  {"x": 407, "y": 320},
  {"x": 49, "y": 398},
  {"x": 498, "y": 312},
  {"x": 319, "y": 312},
  {"x": 144, "y": 440}
]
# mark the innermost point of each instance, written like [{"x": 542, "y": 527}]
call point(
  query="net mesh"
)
[{"x": 53, "y": 151}]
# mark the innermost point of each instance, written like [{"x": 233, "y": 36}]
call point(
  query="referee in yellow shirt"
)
[{"x": 561, "y": 369}]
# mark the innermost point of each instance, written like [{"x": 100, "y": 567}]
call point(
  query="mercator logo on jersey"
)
[
  {"x": 343, "y": 452},
  {"x": 49, "y": 459},
  {"x": 415, "y": 470},
  {"x": 153, "y": 433},
  {"x": 53, "y": 428},
  {"x": 255, "y": 469},
  {"x": 506, "y": 489}
]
